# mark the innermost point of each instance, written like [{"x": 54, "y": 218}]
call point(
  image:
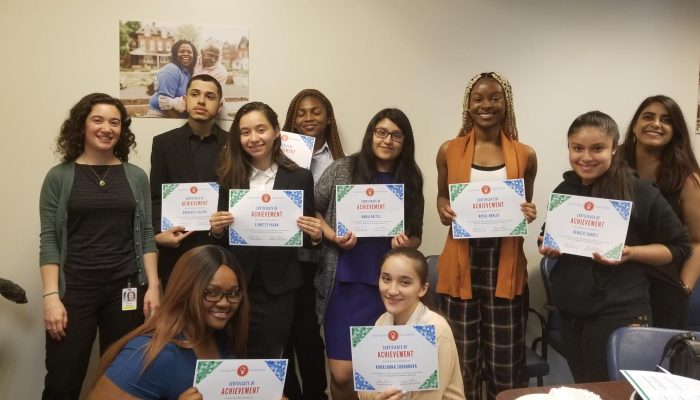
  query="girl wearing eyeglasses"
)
[
  {"x": 204, "y": 315},
  {"x": 349, "y": 273},
  {"x": 483, "y": 282}
]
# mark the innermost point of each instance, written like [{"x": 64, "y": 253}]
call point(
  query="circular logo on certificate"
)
[
  {"x": 242, "y": 370},
  {"x": 588, "y": 206},
  {"x": 393, "y": 335},
  {"x": 193, "y": 190},
  {"x": 370, "y": 192},
  {"x": 266, "y": 198},
  {"x": 486, "y": 189},
  {"x": 284, "y": 137}
]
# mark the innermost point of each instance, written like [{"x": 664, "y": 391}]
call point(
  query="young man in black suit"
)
[{"x": 186, "y": 154}]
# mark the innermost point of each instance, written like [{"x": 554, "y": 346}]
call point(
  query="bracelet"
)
[
  {"x": 316, "y": 242},
  {"x": 49, "y": 294}
]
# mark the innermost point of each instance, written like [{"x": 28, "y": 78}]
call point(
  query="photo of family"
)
[{"x": 157, "y": 59}]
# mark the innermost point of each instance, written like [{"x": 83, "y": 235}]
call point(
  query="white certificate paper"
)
[
  {"x": 369, "y": 210},
  {"x": 188, "y": 204},
  {"x": 585, "y": 225},
  {"x": 403, "y": 356},
  {"x": 299, "y": 148},
  {"x": 265, "y": 217},
  {"x": 240, "y": 379},
  {"x": 488, "y": 209},
  {"x": 662, "y": 386}
]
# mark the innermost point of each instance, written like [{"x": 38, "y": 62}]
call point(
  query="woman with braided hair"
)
[
  {"x": 483, "y": 282},
  {"x": 310, "y": 113}
]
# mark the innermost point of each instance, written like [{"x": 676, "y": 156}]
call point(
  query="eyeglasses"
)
[
  {"x": 215, "y": 296},
  {"x": 382, "y": 133}
]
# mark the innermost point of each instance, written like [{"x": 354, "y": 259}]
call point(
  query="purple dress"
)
[{"x": 355, "y": 300}]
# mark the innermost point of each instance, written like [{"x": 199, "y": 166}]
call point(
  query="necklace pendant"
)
[{"x": 102, "y": 183}]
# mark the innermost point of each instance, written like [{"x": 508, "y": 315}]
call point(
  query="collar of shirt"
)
[
  {"x": 260, "y": 179},
  {"x": 320, "y": 161}
]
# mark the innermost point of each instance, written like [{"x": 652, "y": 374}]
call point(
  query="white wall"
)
[{"x": 562, "y": 57}]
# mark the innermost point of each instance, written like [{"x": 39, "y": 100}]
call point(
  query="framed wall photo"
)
[{"x": 157, "y": 59}]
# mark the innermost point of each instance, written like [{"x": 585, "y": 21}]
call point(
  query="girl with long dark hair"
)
[
  {"x": 253, "y": 159},
  {"x": 349, "y": 272},
  {"x": 204, "y": 315},
  {"x": 657, "y": 145},
  {"x": 596, "y": 295}
]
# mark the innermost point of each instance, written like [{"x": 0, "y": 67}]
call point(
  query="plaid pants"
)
[{"x": 489, "y": 331}]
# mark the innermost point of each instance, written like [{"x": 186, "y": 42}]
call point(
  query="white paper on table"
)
[
  {"x": 488, "y": 209},
  {"x": 188, "y": 205},
  {"x": 240, "y": 379},
  {"x": 585, "y": 225},
  {"x": 299, "y": 148},
  {"x": 403, "y": 356},
  {"x": 266, "y": 217},
  {"x": 662, "y": 386},
  {"x": 369, "y": 210}
]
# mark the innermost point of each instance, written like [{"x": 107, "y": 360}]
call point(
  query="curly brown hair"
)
[{"x": 71, "y": 139}]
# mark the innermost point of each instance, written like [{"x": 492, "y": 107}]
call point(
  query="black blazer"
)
[
  {"x": 275, "y": 268},
  {"x": 171, "y": 162}
]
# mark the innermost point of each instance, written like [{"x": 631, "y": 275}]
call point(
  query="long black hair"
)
[
  {"x": 677, "y": 161},
  {"x": 406, "y": 170},
  {"x": 618, "y": 181}
]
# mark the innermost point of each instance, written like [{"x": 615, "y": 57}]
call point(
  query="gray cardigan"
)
[
  {"x": 340, "y": 173},
  {"x": 53, "y": 212}
]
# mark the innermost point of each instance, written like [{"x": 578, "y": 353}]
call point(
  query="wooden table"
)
[{"x": 615, "y": 390}]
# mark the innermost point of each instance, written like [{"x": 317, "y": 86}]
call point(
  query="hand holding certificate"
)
[
  {"x": 488, "y": 209},
  {"x": 370, "y": 210},
  {"x": 240, "y": 379},
  {"x": 387, "y": 356},
  {"x": 586, "y": 225},
  {"x": 266, "y": 217},
  {"x": 188, "y": 205}
]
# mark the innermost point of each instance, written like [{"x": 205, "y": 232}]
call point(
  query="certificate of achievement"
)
[
  {"x": 403, "y": 356},
  {"x": 586, "y": 225},
  {"x": 299, "y": 148},
  {"x": 188, "y": 204},
  {"x": 265, "y": 217},
  {"x": 240, "y": 379},
  {"x": 488, "y": 209},
  {"x": 369, "y": 210}
]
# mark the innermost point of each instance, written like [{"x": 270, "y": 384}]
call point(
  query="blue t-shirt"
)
[
  {"x": 172, "y": 82},
  {"x": 170, "y": 374}
]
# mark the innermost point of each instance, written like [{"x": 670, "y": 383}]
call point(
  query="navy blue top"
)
[
  {"x": 170, "y": 374},
  {"x": 362, "y": 263}
]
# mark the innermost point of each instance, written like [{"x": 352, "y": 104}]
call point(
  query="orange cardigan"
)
[{"x": 454, "y": 271}]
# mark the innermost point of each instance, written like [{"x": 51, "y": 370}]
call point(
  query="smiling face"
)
[
  {"x": 311, "y": 118},
  {"x": 590, "y": 153},
  {"x": 202, "y": 100},
  {"x": 654, "y": 127},
  {"x": 209, "y": 57},
  {"x": 487, "y": 104},
  {"x": 217, "y": 314},
  {"x": 400, "y": 287},
  {"x": 386, "y": 150},
  {"x": 258, "y": 138},
  {"x": 185, "y": 55},
  {"x": 103, "y": 127}
]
